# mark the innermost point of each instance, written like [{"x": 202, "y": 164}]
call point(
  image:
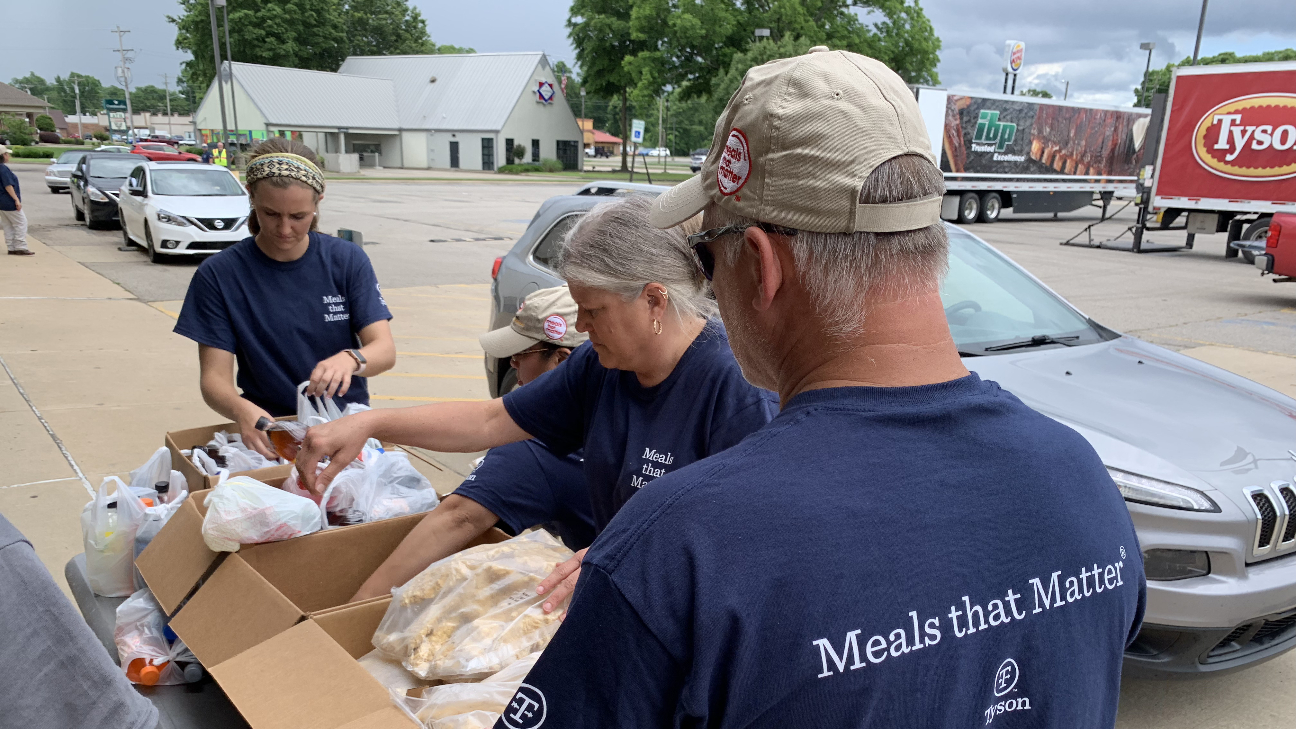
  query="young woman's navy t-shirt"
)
[
  {"x": 633, "y": 434},
  {"x": 933, "y": 557},
  {"x": 281, "y": 319},
  {"x": 527, "y": 485}
]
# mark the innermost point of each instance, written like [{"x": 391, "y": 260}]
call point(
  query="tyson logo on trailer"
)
[{"x": 1249, "y": 138}]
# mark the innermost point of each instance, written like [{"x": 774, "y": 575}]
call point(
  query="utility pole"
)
[
  {"x": 166, "y": 84},
  {"x": 123, "y": 73},
  {"x": 76, "y": 87},
  {"x": 661, "y": 128},
  {"x": 229, "y": 58},
  {"x": 1201, "y": 25},
  {"x": 220, "y": 86},
  {"x": 582, "y": 101},
  {"x": 1067, "y": 90}
]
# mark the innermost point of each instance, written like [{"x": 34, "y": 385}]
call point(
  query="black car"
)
[{"x": 94, "y": 185}]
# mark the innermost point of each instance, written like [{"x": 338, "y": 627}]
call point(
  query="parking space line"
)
[
  {"x": 436, "y": 339},
  {"x": 57, "y": 441},
  {"x": 1217, "y": 344},
  {"x": 168, "y": 312},
  {"x": 410, "y": 398},
  {"x": 448, "y": 377}
]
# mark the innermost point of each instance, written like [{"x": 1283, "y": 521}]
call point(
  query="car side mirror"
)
[
  {"x": 135, "y": 188},
  {"x": 53, "y": 159}
]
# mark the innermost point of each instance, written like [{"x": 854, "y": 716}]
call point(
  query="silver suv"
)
[{"x": 1203, "y": 457}]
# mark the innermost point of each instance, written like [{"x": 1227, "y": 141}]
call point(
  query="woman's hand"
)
[
  {"x": 561, "y": 583},
  {"x": 248, "y": 415},
  {"x": 332, "y": 376},
  {"x": 339, "y": 441}
]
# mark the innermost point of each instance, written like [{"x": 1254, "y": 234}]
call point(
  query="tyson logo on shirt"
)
[
  {"x": 1005, "y": 682},
  {"x": 735, "y": 163},
  {"x": 555, "y": 327}
]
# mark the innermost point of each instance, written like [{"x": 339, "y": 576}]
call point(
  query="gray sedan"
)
[
  {"x": 1203, "y": 457},
  {"x": 60, "y": 170}
]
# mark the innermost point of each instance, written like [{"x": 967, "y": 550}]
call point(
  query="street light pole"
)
[
  {"x": 1067, "y": 90},
  {"x": 76, "y": 87},
  {"x": 220, "y": 86},
  {"x": 229, "y": 58},
  {"x": 1201, "y": 25},
  {"x": 166, "y": 84},
  {"x": 1143, "y": 95}
]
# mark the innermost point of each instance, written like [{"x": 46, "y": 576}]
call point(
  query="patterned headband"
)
[{"x": 282, "y": 164}]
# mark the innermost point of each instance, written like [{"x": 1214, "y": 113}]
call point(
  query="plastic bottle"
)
[
  {"x": 139, "y": 671},
  {"x": 111, "y": 525},
  {"x": 193, "y": 671},
  {"x": 163, "y": 489}
]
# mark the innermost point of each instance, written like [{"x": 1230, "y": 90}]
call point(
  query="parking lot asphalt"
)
[{"x": 85, "y": 337}]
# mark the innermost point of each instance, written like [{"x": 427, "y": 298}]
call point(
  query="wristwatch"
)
[{"x": 361, "y": 362}]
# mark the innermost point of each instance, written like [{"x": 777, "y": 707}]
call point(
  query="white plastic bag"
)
[
  {"x": 109, "y": 538},
  {"x": 315, "y": 410},
  {"x": 156, "y": 517},
  {"x": 473, "y": 613},
  {"x": 141, "y": 643},
  {"x": 379, "y": 485},
  {"x": 242, "y": 510},
  {"x": 472, "y": 704},
  {"x": 156, "y": 468}
]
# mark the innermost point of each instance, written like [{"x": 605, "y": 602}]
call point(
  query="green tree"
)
[
  {"x": 1038, "y": 93},
  {"x": 600, "y": 31},
  {"x": 447, "y": 48},
  {"x": 63, "y": 94},
  {"x": 32, "y": 84},
  {"x": 153, "y": 99},
  {"x": 1158, "y": 81},
  {"x": 45, "y": 123},
  {"x": 17, "y": 131},
  {"x": 385, "y": 27}
]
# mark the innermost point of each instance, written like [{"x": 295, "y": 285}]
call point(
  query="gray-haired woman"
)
[{"x": 655, "y": 388}]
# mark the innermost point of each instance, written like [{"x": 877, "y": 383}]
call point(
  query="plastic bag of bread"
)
[
  {"x": 473, "y": 613},
  {"x": 473, "y": 704}
]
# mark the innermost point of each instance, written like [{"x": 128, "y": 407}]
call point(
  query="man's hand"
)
[
  {"x": 332, "y": 376},
  {"x": 248, "y": 414},
  {"x": 561, "y": 583},
  {"x": 17, "y": 204},
  {"x": 339, "y": 441}
]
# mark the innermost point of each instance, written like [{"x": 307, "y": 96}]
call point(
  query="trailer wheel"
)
[
  {"x": 991, "y": 206},
  {"x": 1259, "y": 230},
  {"x": 969, "y": 208}
]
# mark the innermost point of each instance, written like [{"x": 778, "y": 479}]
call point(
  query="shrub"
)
[
  {"x": 551, "y": 165},
  {"x": 193, "y": 150},
  {"x": 17, "y": 131},
  {"x": 49, "y": 137},
  {"x": 33, "y": 152},
  {"x": 519, "y": 152},
  {"x": 519, "y": 169},
  {"x": 45, "y": 123},
  {"x": 71, "y": 140},
  {"x": 101, "y": 136}
]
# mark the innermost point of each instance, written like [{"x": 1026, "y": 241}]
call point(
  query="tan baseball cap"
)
[
  {"x": 3, "y": 150},
  {"x": 797, "y": 141},
  {"x": 547, "y": 315}
]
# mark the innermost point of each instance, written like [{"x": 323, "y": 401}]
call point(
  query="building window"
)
[
  {"x": 508, "y": 151},
  {"x": 535, "y": 150},
  {"x": 488, "y": 154},
  {"x": 454, "y": 155},
  {"x": 569, "y": 154}
]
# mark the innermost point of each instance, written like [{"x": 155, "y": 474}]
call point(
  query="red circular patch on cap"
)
[
  {"x": 735, "y": 163},
  {"x": 555, "y": 327}
]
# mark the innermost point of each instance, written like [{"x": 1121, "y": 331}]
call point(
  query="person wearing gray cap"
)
[
  {"x": 518, "y": 485},
  {"x": 905, "y": 544},
  {"x": 655, "y": 388}
]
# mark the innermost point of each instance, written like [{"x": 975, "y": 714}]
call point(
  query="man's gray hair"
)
[
  {"x": 614, "y": 248},
  {"x": 837, "y": 269}
]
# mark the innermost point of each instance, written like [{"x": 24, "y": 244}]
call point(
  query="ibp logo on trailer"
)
[{"x": 1249, "y": 138}]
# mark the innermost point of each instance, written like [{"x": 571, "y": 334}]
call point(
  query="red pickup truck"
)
[
  {"x": 159, "y": 152},
  {"x": 1279, "y": 257}
]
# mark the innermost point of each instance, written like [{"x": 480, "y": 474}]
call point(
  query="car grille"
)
[
  {"x": 210, "y": 245},
  {"x": 1275, "y": 529},
  {"x": 62, "y": 173},
  {"x": 1253, "y": 636},
  {"x": 218, "y": 224}
]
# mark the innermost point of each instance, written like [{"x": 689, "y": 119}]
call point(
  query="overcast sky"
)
[{"x": 1093, "y": 44}]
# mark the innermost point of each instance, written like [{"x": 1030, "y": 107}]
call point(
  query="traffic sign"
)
[
  {"x": 636, "y": 131},
  {"x": 114, "y": 105}
]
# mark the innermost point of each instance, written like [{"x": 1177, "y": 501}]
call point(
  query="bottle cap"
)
[
  {"x": 149, "y": 675},
  {"x": 112, "y": 504},
  {"x": 162, "y": 487}
]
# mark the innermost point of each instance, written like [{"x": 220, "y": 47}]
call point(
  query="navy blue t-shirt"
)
[
  {"x": 633, "y": 434},
  {"x": 281, "y": 319},
  {"x": 934, "y": 556},
  {"x": 7, "y": 179},
  {"x": 526, "y": 485}
]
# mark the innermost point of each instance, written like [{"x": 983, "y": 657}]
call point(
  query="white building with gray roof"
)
[{"x": 465, "y": 111}]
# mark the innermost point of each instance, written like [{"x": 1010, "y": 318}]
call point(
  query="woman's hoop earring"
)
[{"x": 657, "y": 327}]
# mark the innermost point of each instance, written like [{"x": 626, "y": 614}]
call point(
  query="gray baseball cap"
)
[
  {"x": 547, "y": 315},
  {"x": 796, "y": 142}
]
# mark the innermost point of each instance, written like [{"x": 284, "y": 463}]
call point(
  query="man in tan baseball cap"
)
[
  {"x": 838, "y": 567},
  {"x": 545, "y": 324}
]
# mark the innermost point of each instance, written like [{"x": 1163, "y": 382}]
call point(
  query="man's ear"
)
[
  {"x": 563, "y": 354},
  {"x": 768, "y": 266}
]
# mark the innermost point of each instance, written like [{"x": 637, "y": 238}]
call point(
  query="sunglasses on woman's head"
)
[{"x": 703, "y": 256}]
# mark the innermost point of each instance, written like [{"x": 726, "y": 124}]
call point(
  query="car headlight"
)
[
  {"x": 171, "y": 219},
  {"x": 1155, "y": 492},
  {"x": 1175, "y": 564},
  {"x": 96, "y": 194}
]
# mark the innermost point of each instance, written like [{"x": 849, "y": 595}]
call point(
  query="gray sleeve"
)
[{"x": 54, "y": 673}]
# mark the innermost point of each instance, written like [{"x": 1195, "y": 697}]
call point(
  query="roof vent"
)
[{"x": 432, "y": 80}]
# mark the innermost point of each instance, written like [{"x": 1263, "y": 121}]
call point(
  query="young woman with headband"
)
[{"x": 288, "y": 303}]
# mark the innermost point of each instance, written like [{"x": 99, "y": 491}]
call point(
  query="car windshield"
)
[
  {"x": 70, "y": 158},
  {"x": 195, "y": 182},
  {"x": 108, "y": 167},
  {"x": 988, "y": 301}
]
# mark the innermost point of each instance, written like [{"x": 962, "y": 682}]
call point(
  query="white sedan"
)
[{"x": 182, "y": 208}]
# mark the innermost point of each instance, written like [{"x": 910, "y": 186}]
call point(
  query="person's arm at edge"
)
[
  {"x": 18, "y": 203},
  {"x": 448, "y": 427},
  {"x": 333, "y": 375},
  {"x": 216, "y": 380},
  {"x": 450, "y": 527}
]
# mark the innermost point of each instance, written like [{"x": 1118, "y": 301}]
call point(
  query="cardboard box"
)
[
  {"x": 247, "y": 615},
  {"x": 198, "y": 437}
]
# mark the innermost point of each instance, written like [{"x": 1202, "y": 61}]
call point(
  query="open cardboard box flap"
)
[
  {"x": 179, "y": 440},
  {"x": 177, "y": 558}
]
